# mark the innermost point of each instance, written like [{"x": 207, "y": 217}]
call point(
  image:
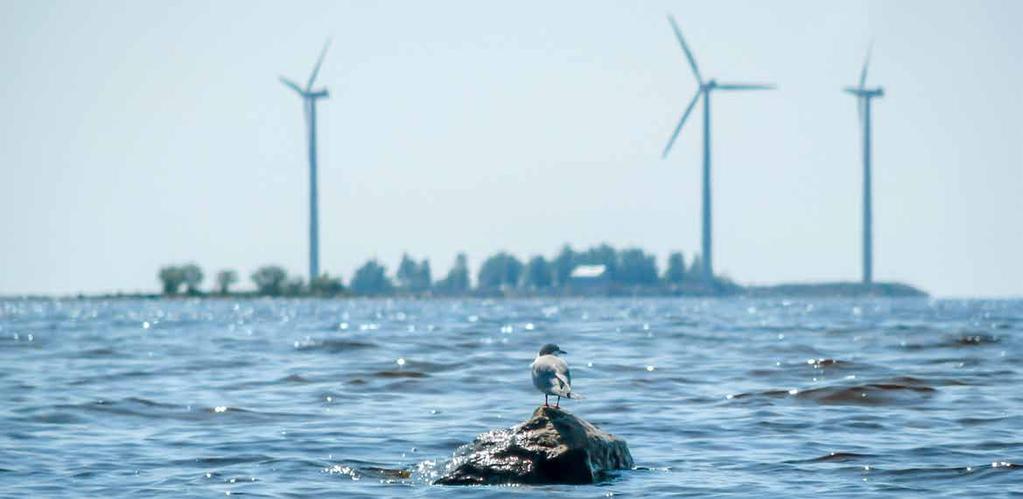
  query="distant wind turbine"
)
[
  {"x": 309, "y": 98},
  {"x": 863, "y": 98},
  {"x": 706, "y": 87}
]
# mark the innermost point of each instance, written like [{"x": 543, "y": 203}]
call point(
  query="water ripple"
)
[{"x": 745, "y": 397}]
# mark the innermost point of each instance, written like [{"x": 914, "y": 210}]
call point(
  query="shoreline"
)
[{"x": 836, "y": 289}]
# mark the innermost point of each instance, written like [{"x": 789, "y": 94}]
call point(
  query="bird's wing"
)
[
  {"x": 562, "y": 376},
  {"x": 563, "y": 383},
  {"x": 558, "y": 385},
  {"x": 561, "y": 367}
]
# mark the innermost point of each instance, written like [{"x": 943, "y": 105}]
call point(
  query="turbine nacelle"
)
[
  {"x": 319, "y": 94},
  {"x": 865, "y": 92}
]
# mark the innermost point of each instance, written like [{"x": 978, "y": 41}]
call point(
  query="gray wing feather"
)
[
  {"x": 551, "y": 375},
  {"x": 565, "y": 385}
]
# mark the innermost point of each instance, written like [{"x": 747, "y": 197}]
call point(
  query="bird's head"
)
[{"x": 551, "y": 349}]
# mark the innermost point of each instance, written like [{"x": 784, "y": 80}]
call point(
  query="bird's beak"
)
[{"x": 562, "y": 352}]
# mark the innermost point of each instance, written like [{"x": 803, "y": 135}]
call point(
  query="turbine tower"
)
[
  {"x": 863, "y": 97},
  {"x": 309, "y": 98},
  {"x": 705, "y": 90}
]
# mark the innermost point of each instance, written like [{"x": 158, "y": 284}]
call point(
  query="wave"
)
[
  {"x": 955, "y": 341},
  {"x": 357, "y": 471},
  {"x": 834, "y": 457},
  {"x": 894, "y": 391},
  {"x": 331, "y": 345},
  {"x": 400, "y": 374},
  {"x": 939, "y": 472},
  {"x": 145, "y": 408}
]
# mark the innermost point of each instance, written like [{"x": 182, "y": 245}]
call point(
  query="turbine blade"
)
[
  {"x": 319, "y": 62},
  {"x": 292, "y": 85},
  {"x": 685, "y": 48},
  {"x": 745, "y": 86},
  {"x": 866, "y": 63},
  {"x": 681, "y": 122},
  {"x": 854, "y": 90}
]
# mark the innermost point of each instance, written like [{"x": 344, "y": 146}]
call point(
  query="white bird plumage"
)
[{"x": 552, "y": 376}]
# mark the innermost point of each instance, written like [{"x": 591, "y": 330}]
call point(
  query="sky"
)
[{"x": 139, "y": 134}]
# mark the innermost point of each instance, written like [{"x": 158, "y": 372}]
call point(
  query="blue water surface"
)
[{"x": 287, "y": 398}]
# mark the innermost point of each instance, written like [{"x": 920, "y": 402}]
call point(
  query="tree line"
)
[{"x": 626, "y": 271}]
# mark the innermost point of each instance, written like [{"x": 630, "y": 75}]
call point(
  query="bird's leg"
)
[
  {"x": 557, "y": 405},
  {"x": 545, "y": 404}
]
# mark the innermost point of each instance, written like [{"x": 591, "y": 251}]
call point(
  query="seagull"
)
[{"x": 551, "y": 375}]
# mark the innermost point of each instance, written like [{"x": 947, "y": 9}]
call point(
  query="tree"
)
[
  {"x": 425, "y": 279},
  {"x": 413, "y": 277},
  {"x": 171, "y": 278},
  {"x": 371, "y": 279},
  {"x": 696, "y": 269},
  {"x": 269, "y": 280},
  {"x": 636, "y": 268},
  {"x": 457, "y": 280},
  {"x": 225, "y": 279},
  {"x": 676, "y": 271},
  {"x": 539, "y": 273},
  {"x": 563, "y": 265},
  {"x": 325, "y": 285},
  {"x": 294, "y": 286},
  {"x": 192, "y": 275},
  {"x": 500, "y": 271},
  {"x": 407, "y": 272}
]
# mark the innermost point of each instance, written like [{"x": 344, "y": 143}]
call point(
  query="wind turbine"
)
[
  {"x": 863, "y": 98},
  {"x": 706, "y": 88},
  {"x": 309, "y": 98}
]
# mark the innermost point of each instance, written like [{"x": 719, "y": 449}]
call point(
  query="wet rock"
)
[{"x": 553, "y": 446}]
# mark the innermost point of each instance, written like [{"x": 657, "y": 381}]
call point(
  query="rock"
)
[{"x": 553, "y": 446}]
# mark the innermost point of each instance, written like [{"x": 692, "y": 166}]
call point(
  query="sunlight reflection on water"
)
[{"x": 745, "y": 397}]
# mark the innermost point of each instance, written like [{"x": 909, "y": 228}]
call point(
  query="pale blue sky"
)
[{"x": 135, "y": 134}]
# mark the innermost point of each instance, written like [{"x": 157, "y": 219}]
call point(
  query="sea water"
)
[{"x": 289, "y": 397}]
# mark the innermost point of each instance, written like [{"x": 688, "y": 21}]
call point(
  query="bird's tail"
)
[{"x": 575, "y": 396}]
